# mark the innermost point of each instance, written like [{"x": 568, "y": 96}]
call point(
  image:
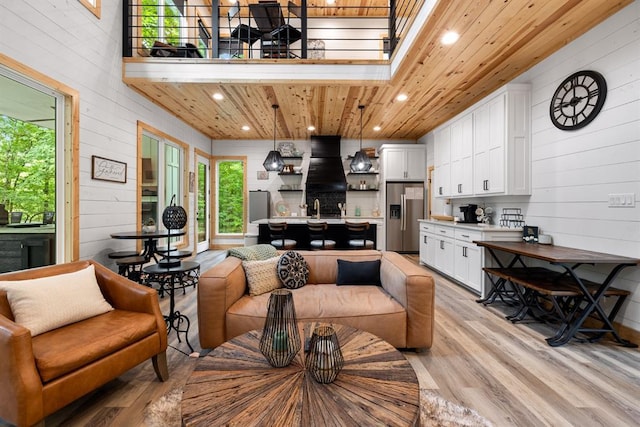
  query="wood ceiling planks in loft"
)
[{"x": 499, "y": 40}]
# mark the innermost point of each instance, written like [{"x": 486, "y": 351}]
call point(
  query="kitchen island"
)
[{"x": 297, "y": 229}]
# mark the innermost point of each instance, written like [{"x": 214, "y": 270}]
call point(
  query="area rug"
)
[{"x": 434, "y": 412}]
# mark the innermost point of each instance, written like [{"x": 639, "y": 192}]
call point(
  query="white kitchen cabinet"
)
[
  {"x": 427, "y": 244},
  {"x": 486, "y": 150},
  {"x": 462, "y": 156},
  {"x": 442, "y": 162},
  {"x": 502, "y": 143},
  {"x": 444, "y": 256},
  {"x": 448, "y": 248},
  {"x": 468, "y": 259},
  {"x": 403, "y": 162}
]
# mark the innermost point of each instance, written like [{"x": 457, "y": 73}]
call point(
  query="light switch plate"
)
[{"x": 622, "y": 200}]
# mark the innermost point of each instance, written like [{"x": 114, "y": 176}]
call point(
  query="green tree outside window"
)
[{"x": 230, "y": 197}]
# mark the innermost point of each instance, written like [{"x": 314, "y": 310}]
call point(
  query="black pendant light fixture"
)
[
  {"x": 274, "y": 161},
  {"x": 361, "y": 161}
]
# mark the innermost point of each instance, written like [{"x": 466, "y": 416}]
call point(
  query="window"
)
[
  {"x": 230, "y": 195},
  {"x": 162, "y": 20},
  {"x": 162, "y": 174},
  {"x": 31, "y": 180},
  {"x": 92, "y": 5}
]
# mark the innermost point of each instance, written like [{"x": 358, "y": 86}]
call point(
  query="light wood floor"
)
[{"x": 479, "y": 359}]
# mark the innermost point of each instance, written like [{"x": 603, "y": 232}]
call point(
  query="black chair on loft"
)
[
  {"x": 242, "y": 33},
  {"x": 277, "y": 34},
  {"x": 285, "y": 35}
]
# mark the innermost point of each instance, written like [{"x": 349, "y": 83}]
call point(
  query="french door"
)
[{"x": 203, "y": 211}]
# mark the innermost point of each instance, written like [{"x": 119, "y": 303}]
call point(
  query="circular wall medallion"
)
[{"x": 578, "y": 100}]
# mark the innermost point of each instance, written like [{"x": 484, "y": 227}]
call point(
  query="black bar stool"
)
[
  {"x": 277, "y": 232},
  {"x": 131, "y": 267},
  {"x": 357, "y": 235},
  {"x": 318, "y": 240}
]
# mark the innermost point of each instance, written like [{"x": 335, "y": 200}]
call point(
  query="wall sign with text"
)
[{"x": 108, "y": 170}]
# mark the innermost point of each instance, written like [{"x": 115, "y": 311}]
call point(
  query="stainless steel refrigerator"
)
[
  {"x": 259, "y": 205},
  {"x": 405, "y": 205}
]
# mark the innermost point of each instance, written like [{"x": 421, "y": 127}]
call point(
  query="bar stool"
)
[
  {"x": 122, "y": 254},
  {"x": 357, "y": 235},
  {"x": 131, "y": 267},
  {"x": 277, "y": 231},
  {"x": 317, "y": 231}
]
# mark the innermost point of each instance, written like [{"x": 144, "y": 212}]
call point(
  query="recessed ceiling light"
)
[
  {"x": 218, "y": 96},
  {"x": 402, "y": 97},
  {"x": 311, "y": 128},
  {"x": 245, "y": 128},
  {"x": 331, "y": 1},
  {"x": 450, "y": 37},
  {"x": 376, "y": 128}
]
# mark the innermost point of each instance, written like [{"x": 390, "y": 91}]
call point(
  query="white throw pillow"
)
[
  {"x": 47, "y": 303},
  {"x": 262, "y": 276}
]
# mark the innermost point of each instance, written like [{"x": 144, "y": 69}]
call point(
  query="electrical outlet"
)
[{"x": 622, "y": 200}]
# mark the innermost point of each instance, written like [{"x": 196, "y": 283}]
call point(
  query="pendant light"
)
[
  {"x": 361, "y": 161},
  {"x": 274, "y": 161}
]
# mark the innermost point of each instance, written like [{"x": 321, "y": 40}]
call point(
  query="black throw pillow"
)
[{"x": 358, "y": 272}]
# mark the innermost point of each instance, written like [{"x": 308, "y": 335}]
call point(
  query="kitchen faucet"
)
[{"x": 316, "y": 207}]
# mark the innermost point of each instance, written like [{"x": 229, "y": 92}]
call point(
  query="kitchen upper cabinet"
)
[
  {"x": 502, "y": 143},
  {"x": 462, "y": 156},
  {"x": 486, "y": 150},
  {"x": 442, "y": 162},
  {"x": 403, "y": 162}
]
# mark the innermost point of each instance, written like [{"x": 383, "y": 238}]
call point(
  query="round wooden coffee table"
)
[{"x": 235, "y": 385}]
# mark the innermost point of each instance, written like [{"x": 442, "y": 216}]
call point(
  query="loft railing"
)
[{"x": 199, "y": 30}]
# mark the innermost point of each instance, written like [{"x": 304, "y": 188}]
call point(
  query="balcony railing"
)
[{"x": 175, "y": 29}]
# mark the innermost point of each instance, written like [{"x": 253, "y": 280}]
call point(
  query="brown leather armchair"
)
[{"x": 41, "y": 374}]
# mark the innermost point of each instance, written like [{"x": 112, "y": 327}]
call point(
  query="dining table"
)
[
  {"x": 562, "y": 277},
  {"x": 149, "y": 238}
]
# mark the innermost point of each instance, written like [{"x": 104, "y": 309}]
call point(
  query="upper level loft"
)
[{"x": 329, "y": 30}]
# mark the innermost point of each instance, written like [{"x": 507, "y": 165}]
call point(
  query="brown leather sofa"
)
[
  {"x": 41, "y": 374},
  {"x": 401, "y": 311}
]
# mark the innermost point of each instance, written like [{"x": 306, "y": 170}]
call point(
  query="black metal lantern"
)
[
  {"x": 324, "y": 360},
  {"x": 361, "y": 161},
  {"x": 274, "y": 161},
  {"x": 174, "y": 218},
  {"x": 280, "y": 341}
]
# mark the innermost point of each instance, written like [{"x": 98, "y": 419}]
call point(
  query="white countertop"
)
[
  {"x": 304, "y": 219},
  {"x": 466, "y": 226}
]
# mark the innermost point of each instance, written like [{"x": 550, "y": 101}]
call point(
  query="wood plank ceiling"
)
[{"x": 499, "y": 40}]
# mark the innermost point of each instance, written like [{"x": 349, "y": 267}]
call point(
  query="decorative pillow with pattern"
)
[
  {"x": 262, "y": 276},
  {"x": 293, "y": 270},
  {"x": 254, "y": 252},
  {"x": 47, "y": 303}
]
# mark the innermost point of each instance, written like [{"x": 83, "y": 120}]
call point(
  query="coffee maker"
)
[{"x": 469, "y": 214}]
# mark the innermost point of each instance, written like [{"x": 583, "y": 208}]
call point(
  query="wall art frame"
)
[{"x": 104, "y": 169}]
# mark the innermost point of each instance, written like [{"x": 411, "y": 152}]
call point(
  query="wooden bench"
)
[
  {"x": 559, "y": 288},
  {"x": 549, "y": 282}
]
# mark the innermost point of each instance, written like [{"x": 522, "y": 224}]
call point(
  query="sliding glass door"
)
[{"x": 31, "y": 173}]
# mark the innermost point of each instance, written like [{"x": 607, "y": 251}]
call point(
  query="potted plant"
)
[{"x": 149, "y": 225}]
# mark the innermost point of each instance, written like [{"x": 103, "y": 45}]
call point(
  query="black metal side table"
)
[{"x": 170, "y": 279}]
